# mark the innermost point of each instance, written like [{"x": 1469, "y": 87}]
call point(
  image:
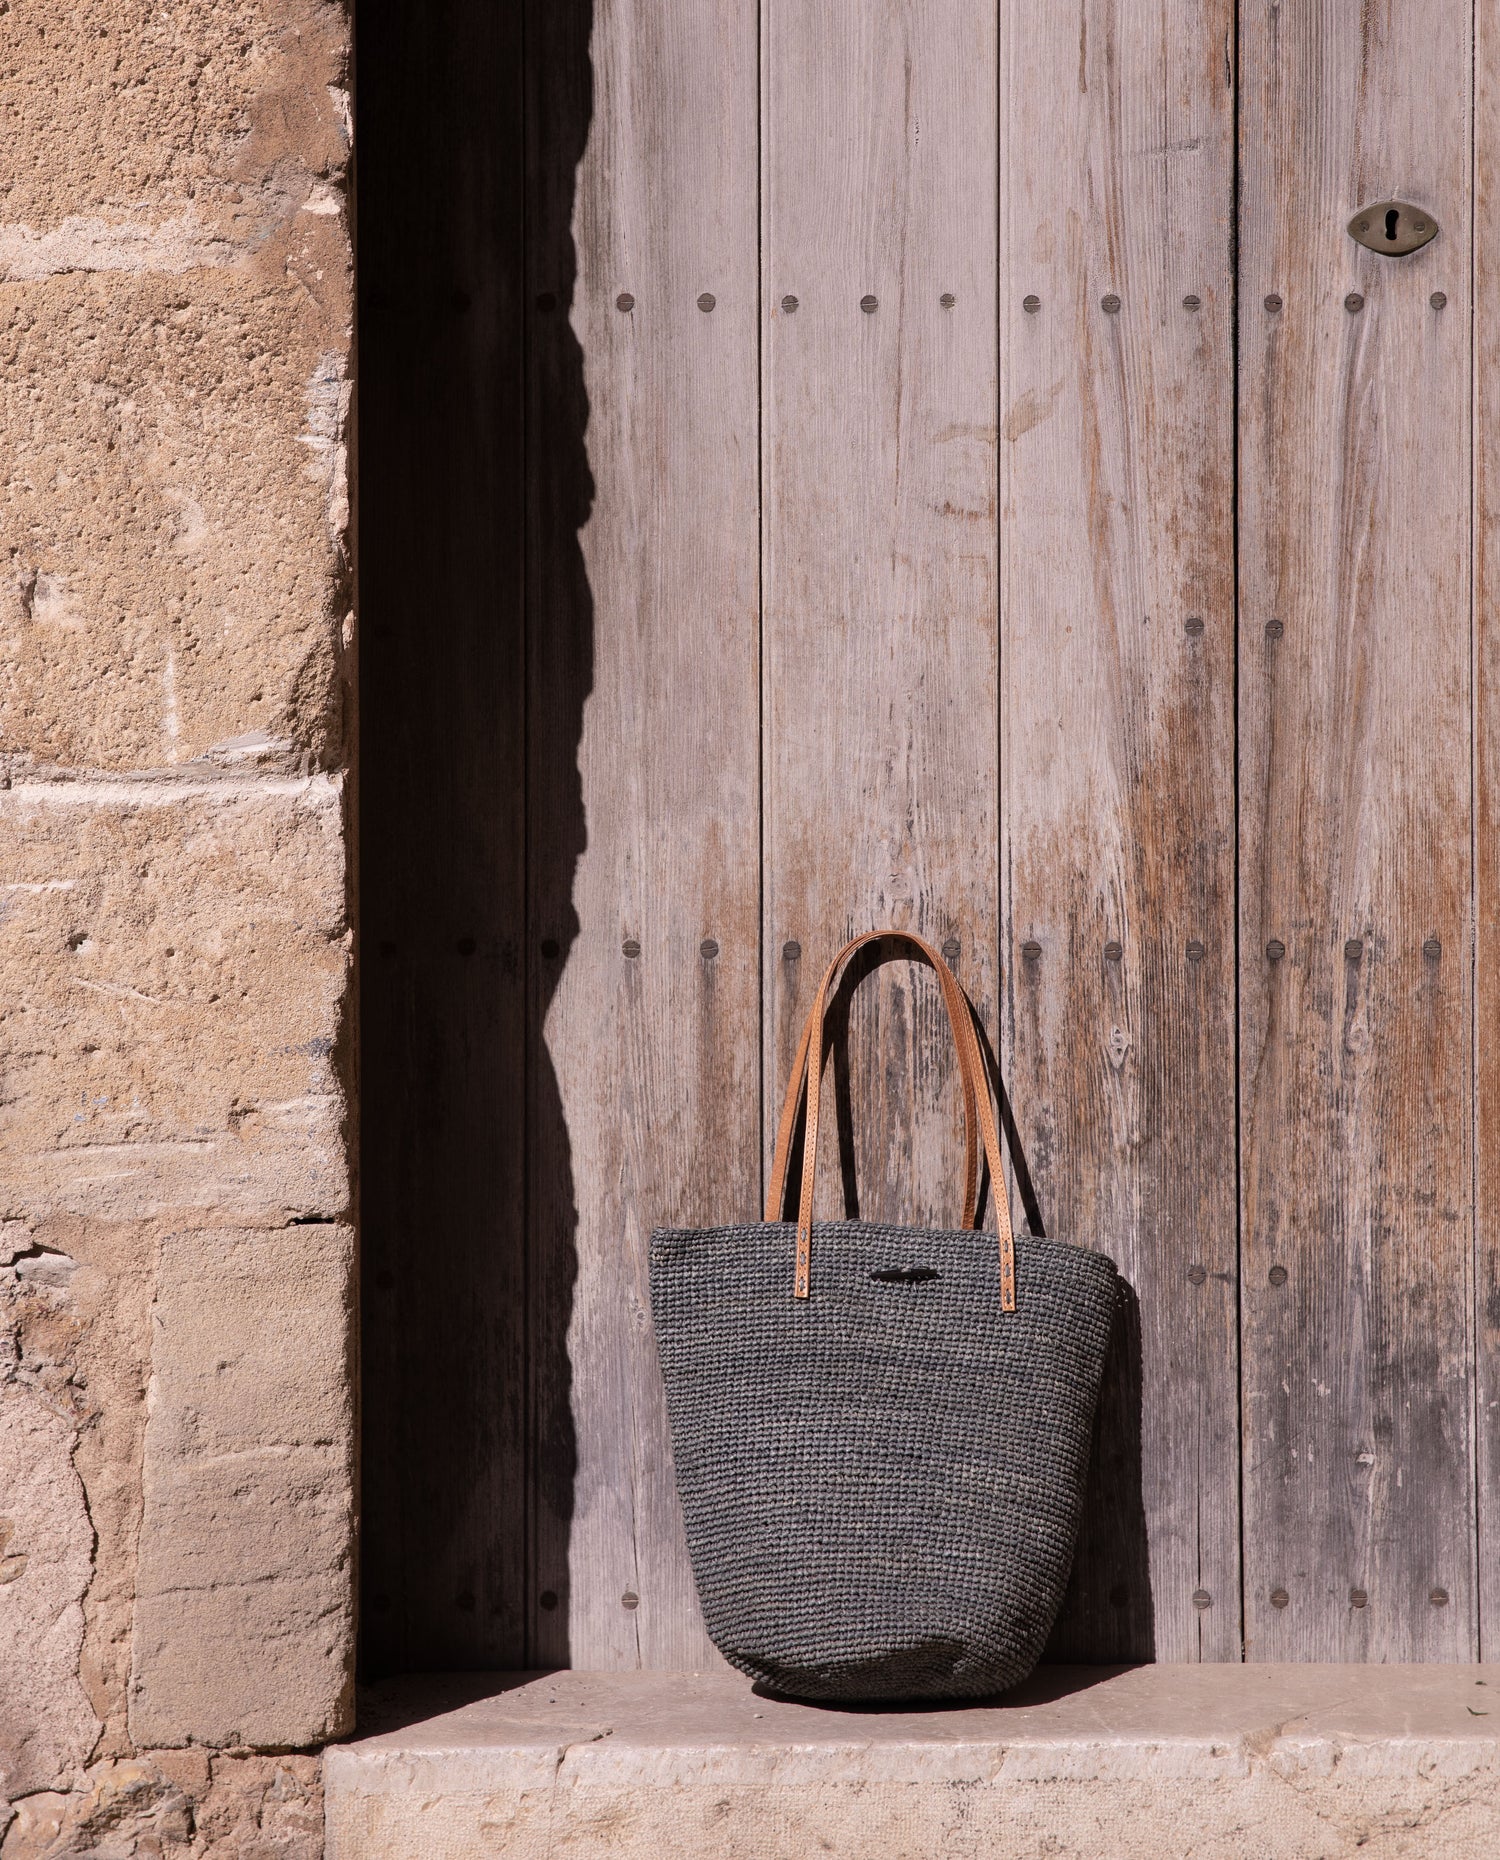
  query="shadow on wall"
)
[{"x": 476, "y": 658}]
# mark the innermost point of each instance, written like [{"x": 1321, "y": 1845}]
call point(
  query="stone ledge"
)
[{"x": 1220, "y": 1762}]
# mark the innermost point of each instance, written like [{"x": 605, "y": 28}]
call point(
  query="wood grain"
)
[
  {"x": 1486, "y": 713},
  {"x": 995, "y": 704},
  {"x": 1355, "y": 840},
  {"x": 643, "y": 803},
  {"x": 878, "y": 138},
  {"x": 1117, "y": 709},
  {"x": 442, "y": 837}
]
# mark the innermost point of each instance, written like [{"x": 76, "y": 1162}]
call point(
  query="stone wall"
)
[{"x": 176, "y": 665}]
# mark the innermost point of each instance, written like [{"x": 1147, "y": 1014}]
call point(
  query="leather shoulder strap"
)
[
  {"x": 957, "y": 1007},
  {"x": 807, "y": 1069}
]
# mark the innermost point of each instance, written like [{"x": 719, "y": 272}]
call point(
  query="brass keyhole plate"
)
[{"x": 1394, "y": 227}]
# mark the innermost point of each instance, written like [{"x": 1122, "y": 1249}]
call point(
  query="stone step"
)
[{"x": 1097, "y": 1763}]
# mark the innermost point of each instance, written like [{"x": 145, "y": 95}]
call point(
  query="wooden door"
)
[
  {"x": 1117, "y": 747},
  {"x": 974, "y": 483},
  {"x": 1356, "y": 823}
]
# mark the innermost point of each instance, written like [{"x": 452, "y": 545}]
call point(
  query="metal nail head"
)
[
  {"x": 1275, "y": 949},
  {"x": 1192, "y": 303},
  {"x": 1113, "y": 951},
  {"x": 1197, "y": 1275},
  {"x": 1354, "y": 303},
  {"x": 630, "y": 1599},
  {"x": 630, "y": 948},
  {"x": 1279, "y": 1598},
  {"x": 1110, "y": 305},
  {"x": 1274, "y": 629},
  {"x": 1195, "y": 951},
  {"x": 708, "y": 949},
  {"x": 1273, "y": 301},
  {"x": 1202, "y": 1599},
  {"x": 1438, "y": 299},
  {"x": 1031, "y": 948},
  {"x": 1358, "y": 1598},
  {"x": 548, "y": 1599},
  {"x": 707, "y": 301},
  {"x": 1354, "y": 949},
  {"x": 550, "y": 947},
  {"x": 1031, "y": 305},
  {"x": 791, "y": 952},
  {"x": 546, "y": 300},
  {"x": 1432, "y": 948},
  {"x": 1277, "y": 1275},
  {"x": 624, "y": 301},
  {"x": 947, "y": 300},
  {"x": 869, "y": 305},
  {"x": 1438, "y": 1597},
  {"x": 788, "y": 305},
  {"x": 951, "y": 949}
]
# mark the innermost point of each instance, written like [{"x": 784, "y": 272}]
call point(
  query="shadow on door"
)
[
  {"x": 469, "y": 391},
  {"x": 473, "y": 486}
]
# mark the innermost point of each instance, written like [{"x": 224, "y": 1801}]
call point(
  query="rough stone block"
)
[
  {"x": 1088, "y": 1763},
  {"x": 210, "y": 116},
  {"x": 173, "y": 959},
  {"x": 244, "y": 1605},
  {"x": 170, "y": 1805},
  {"x": 75, "y": 1301},
  {"x": 173, "y": 584},
  {"x": 46, "y": 1726}
]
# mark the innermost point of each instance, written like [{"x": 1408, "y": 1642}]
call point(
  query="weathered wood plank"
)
[
  {"x": 442, "y": 834},
  {"x": 1355, "y": 840},
  {"x": 879, "y": 554},
  {"x": 1486, "y": 711},
  {"x": 643, "y": 804},
  {"x": 1117, "y": 730}
]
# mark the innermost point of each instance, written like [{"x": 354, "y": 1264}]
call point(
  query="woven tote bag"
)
[{"x": 881, "y": 1433}]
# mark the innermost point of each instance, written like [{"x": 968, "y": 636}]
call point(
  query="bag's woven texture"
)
[{"x": 881, "y": 1482}]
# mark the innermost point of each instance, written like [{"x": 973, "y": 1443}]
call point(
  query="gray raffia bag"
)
[{"x": 881, "y": 1461}]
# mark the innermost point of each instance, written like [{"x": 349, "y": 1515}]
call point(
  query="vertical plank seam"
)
[
  {"x": 527, "y": 1403},
  {"x": 528, "y": 1394},
  {"x": 1004, "y": 979},
  {"x": 1000, "y": 945},
  {"x": 766, "y": 942},
  {"x": 1236, "y": 208},
  {"x": 1475, "y": 724}
]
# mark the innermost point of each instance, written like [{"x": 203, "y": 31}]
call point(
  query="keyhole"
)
[{"x": 1392, "y": 214}]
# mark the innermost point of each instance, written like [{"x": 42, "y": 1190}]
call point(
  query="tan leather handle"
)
[
  {"x": 957, "y": 1009},
  {"x": 807, "y": 1070}
]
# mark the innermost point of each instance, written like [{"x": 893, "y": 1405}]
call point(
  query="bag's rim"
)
[{"x": 1029, "y": 1242}]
